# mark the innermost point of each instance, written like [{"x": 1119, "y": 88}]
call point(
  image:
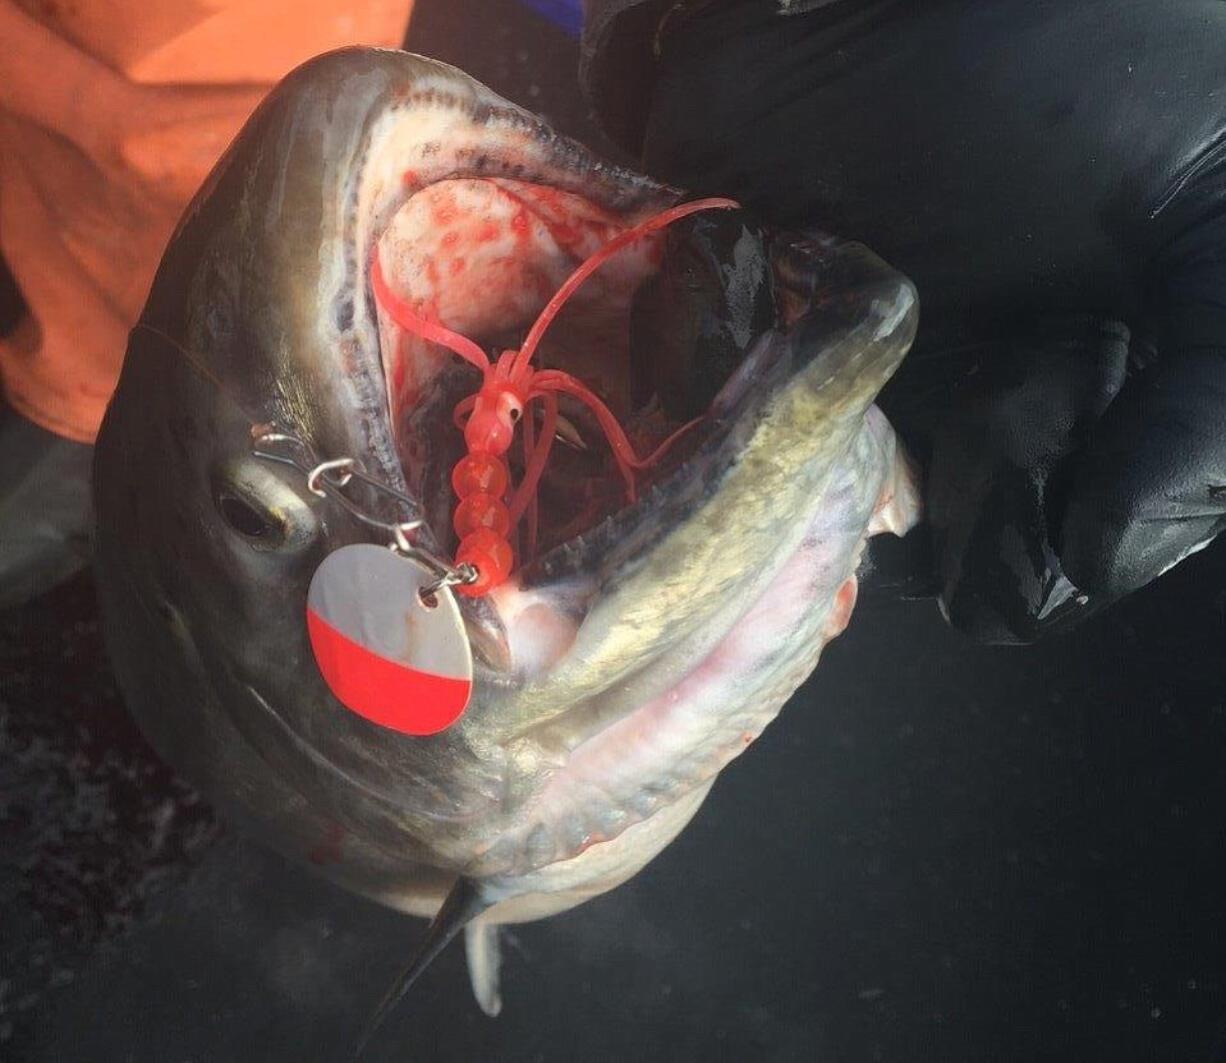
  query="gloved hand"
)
[{"x": 1053, "y": 178}]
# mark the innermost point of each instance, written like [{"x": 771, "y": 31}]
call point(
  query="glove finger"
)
[
  {"x": 898, "y": 567},
  {"x": 997, "y": 463},
  {"x": 999, "y": 578},
  {"x": 1150, "y": 487}
]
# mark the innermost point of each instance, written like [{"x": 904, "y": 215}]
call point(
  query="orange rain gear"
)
[{"x": 111, "y": 113}]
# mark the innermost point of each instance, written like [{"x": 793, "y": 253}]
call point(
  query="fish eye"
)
[
  {"x": 261, "y": 508},
  {"x": 246, "y": 519}
]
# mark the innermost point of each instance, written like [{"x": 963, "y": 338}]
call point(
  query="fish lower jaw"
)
[
  {"x": 624, "y": 793},
  {"x": 601, "y": 832}
]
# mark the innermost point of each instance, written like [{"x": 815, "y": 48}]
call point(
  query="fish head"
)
[{"x": 639, "y": 645}]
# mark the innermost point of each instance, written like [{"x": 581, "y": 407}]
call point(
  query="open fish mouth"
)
[
  {"x": 648, "y": 356},
  {"x": 476, "y": 213},
  {"x": 653, "y": 335}
]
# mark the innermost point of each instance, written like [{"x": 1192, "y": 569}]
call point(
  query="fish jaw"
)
[
  {"x": 624, "y": 793},
  {"x": 722, "y": 530}
]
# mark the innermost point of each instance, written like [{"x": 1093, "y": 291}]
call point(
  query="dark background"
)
[{"x": 939, "y": 852}]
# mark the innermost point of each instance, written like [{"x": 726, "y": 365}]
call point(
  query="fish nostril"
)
[{"x": 245, "y": 519}]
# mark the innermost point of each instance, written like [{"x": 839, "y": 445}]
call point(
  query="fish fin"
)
[
  {"x": 482, "y": 946},
  {"x": 461, "y": 905}
]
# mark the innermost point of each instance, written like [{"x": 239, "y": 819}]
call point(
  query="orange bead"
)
[
  {"x": 487, "y": 429},
  {"x": 481, "y": 511},
  {"x": 481, "y": 472},
  {"x": 490, "y": 554}
]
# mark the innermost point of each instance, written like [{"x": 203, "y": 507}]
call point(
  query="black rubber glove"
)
[{"x": 1052, "y": 175}]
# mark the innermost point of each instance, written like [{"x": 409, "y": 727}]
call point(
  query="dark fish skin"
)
[{"x": 617, "y": 675}]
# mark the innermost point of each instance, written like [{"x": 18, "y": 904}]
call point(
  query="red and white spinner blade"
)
[{"x": 384, "y": 654}]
